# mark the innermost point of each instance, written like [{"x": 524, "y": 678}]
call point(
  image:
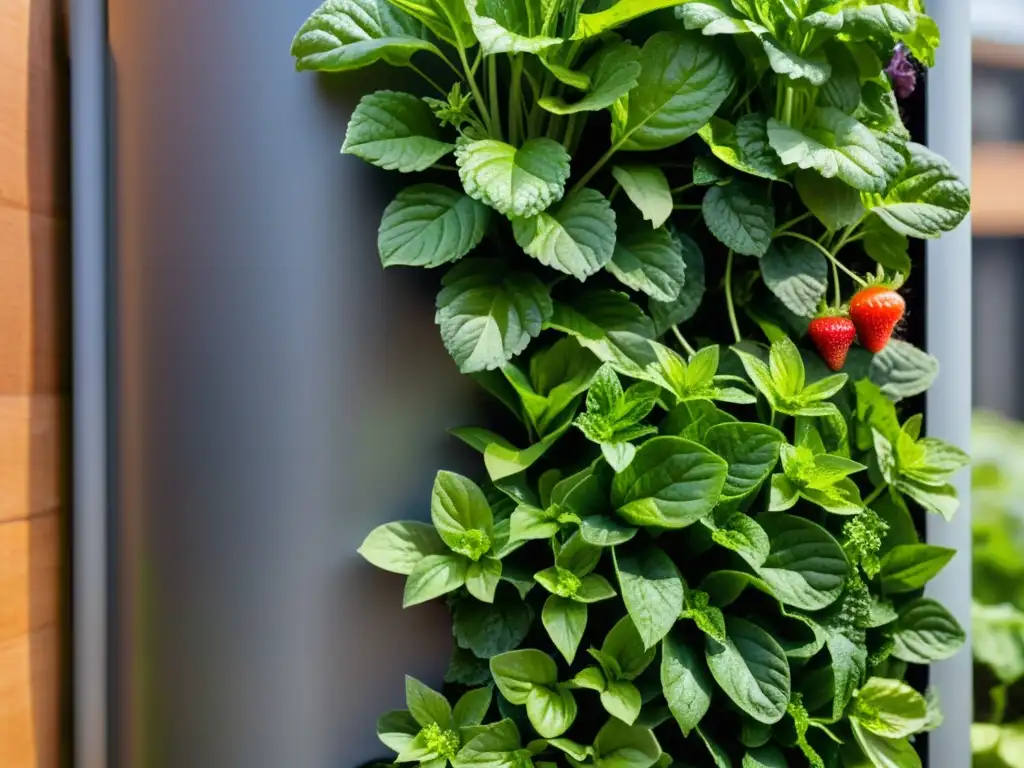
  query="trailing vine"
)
[{"x": 662, "y": 229}]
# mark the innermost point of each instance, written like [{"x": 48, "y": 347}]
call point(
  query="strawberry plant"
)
[{"x": 697, "y": 544}]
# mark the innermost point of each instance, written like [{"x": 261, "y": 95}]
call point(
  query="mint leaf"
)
[
  {"x": 833, "y": 202},
  {"x": 427, "y": 225},
  {"x": 349, "y": 34},
  {"x": 648, "y": 189},
  {"x": 517, "y": 182},
  {"x": 752, "y": 670},
  {"x": 395, "y": 131},
  {"x": 650, "y": 261},
  {"x": 908, "y": 567},
  {"x": 577, "y": 237},
  {"x": 741, "y": 217},
  {"x": 399, "y": 547},
  {"x": 683, "y": 81},
  {"x": 806, "y": 567},
  {"x": 685, "y": 681},
  {"x": 685, "y": 305},
  {"x": 487, "y": 314},
  {"x": 926, "y": 632},
  {"x": 506, "y": 26},
  {"x": 433, "y": 576},
  {"x": 744, "y": 146},
  {"x": 652, "y": 590},
  {"x": 797, "y": 273},
  {"x": 613, "y": 72},
  {"x": 671, "y": 483},
  {"x": 565, "y": 621},
  {"x": 902, "y": 370}
]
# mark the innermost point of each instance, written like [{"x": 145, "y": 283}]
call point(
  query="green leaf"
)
[
  {"x": 718, "y": 754},
  {"x": 741, "y": 534},
  {"x": 458, "y": 506},
  {"x": 466, "y": 669},
  {"x": 744, "y": 146},
  {"x": 648, "y": 189},
  {"x": 590, "y": 678},
  {"x": 751, "y": 451},
  {"x": 395, "y": 131},
  {"x": 671, "y": 483},
  {"x": 926, "y": 632},
  {"x": 618, "y": 455},
  {"x": 752, "y": 670},
  {"x": 490, "y": 629},
  {"x": 888, "y": 248},
  {"x": 849, "y": 663},
  {"x": 928, "y": 198},
  {"x": 427, "y": 225},
  {"x": 651, "y": 261},
  {"x": 622, "y": 700},
  {"x": 836, "y": 146},
  {"x": 624, "y": 644},
  {"x": 577, "y": 556},
  {"x": 530, "y": 522},
  {"x": 551, "y": 710},
  {"x": 593, "y": 24},
  {"x": 594, "y": 588},
  {"x": 683, "y": 81},
  {"x": 693, "y": 419},
  {"x": 998, "y": 640},
  {"x": 833, "y": 202},
  {"x": 684, "y": 681},
  {"x": 685, "y": 305},
  {"x": 764, "y": 757},
  {"x": 507, "y": 26},
  {"x": 447, "y": 19},
  {"x": 517, "y": 182},
  {"x": 349, "y": 34},
  {"x": 882, "y": 752},
  {"x": 787, "y": 368},
  {"x": 902, "y": 370},
  {"x": 741, "y": 217},
  {"x": 613, "y": 72},
  {"x": 652, "y": 590},
  {"x": 603, "y": 531},
  {"x": 890, "y": 708},
  {"x": 909, "y": 567},
  {"x": 482, "y": 578},
  {"x": 397, "y": 729},
  {"x": 807, "y": 567},
  {"x": 472, "y": 706},
  {"x": 516, "y": 673},
  {"x": 618, "y": 745},
  {"x": 433, "y": 576},
  {"x": 577, "y": 238},
  {"x": 488, "y": 315},
  {"x": 425, "y": 705},
  {"x": 898, "y": 21},
  {"x": 399, "y": 547},
  {"x": 496, "y": 747}
]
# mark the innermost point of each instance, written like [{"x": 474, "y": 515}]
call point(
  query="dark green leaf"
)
[
  {"x": 926, "y": 632},
  {"x": 751, "y": 451},
  {"x": 613, "y": 72},
  {"x": 741, "y": 217},
  {"x": 651, "y": 261},
  {"x": 909, "y": 567},
  {"x": 752, "y": 670},
  {"x": 489, "y": 629},
  {"x": 685, "y": 682},
  {"x": 395, "y": 131},
  {"x": 648, "y": 189},
  {"x": 744, "y": 146},
  {"x": 667, "y": 314},
  {"x": 652, "y": 590},
  {"x": 807, "y": 567},
  {"x": 834, "y": 202}
]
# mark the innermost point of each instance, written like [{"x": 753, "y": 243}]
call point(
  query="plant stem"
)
[
  {"x": 478, "y": 97},
  {"x": 728, "y": 299},
  {"x": 828, "y": 254},
  {"x": 792, "y": 222},
  {"x": 515, "y": 112},
  {"x": 839, "y": 290},
  {"x": 680, "y": 190},
  {"x": 687, "y": 207},
  {"x": 597, "y": 166},
  {"x": 614, "y": 192},
  {"x": 443, "y": 167},
  {"x": 429, "y": 80},
  {"x": 492, "y": 90},
  {"x": 875, "y": 493},
  {"x": 570, "y": 130},
  {"x": 682, "y": 341}
]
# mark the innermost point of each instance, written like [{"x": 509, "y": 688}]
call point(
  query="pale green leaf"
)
[
  {"x": 399, "y": 547},
  {"x": 518, "y": 182},
  {"x": 427, "y": 225},
  {"x": 395, "y": 131},
  {"x": 577, "y": 237},
  {"x": 752, "y": 670},
  {"x": 613, "y": 72}
]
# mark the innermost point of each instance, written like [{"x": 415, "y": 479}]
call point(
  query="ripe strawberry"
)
[
  {"x": 875, "y": 311},
  {"x": 833, "y": 336}
]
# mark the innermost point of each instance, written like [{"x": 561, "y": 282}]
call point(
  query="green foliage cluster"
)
[{"x": 703, "y": 555}]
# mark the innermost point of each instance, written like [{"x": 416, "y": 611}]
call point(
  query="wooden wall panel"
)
[{"x": 34, "y": 383}]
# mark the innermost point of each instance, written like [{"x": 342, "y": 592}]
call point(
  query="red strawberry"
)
[
  {"x": 875, "y": 311},
  {"x": 833, "y": 336}
]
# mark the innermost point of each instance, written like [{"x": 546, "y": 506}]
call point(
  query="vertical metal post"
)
[
  {"x": 948, "y": 328},
  {"x": 88, "y": 44}
]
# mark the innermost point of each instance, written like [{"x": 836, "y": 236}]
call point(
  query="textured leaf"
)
[
  {"x": 890, "y": 708},
  {"x": 797, "y": 273},
  {"x": 613, "y": 72},
  {"x": 667, "y": 314},
  {"x": 617, "y": 14},
  {"x": 489, "y": 629},
  {"x": 741, "y": 217},
  {"x": 648, "y": 189},
  {"x": 652, "y": 590},
  {"x": 651, "y": 261},
  {"x": 751, "y": 451},
  {"x": 624, "y": 644},
  {"x": 882, "y": 752},
  {"x": 752, "y": 670},
  {"x": 909, "y": 567},
  {"x": 448, "y": 19},
  {"x": 551, "y": 710},
  {"x": 902, "y": 370},
  {"x": 517, "y": 182},
  {"x": 578, "y": 237},
  {"x": 395, "y": 131},
  {"x": 807, "y": 567},
  {"x": 506, "y": 26},
  {"x": 618, "y": 745},
  {"x": 427, "y": 225},
  {"x": 622, "y": 700},
  {"x": 744, "y": 146},
  {"x": 517, "y": 673},
  {"x": 834, "y": 202},
  {"x": 685, "y": 682},
  {"x": 898, "y": 21},
  {"x": 926, "y": 632}
]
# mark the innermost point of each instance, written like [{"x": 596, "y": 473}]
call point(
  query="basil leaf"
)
[
  {"x": 495, "y": 747},
  {"x": 909, "y": 567},
  {"x": 593, "y": 24},
  {"x": 764, "y": 757},
  {"x": 517, "y": 673},
  {"x": 433, "y": 576},
  {"x": 397, "y": 729},
  {"x": 752, "y": 670},
  {"x": 488, "y": 315},
  {"x": 427, "y": 225},
  {"x": 849, "y": 663},
  {"x": 551, "y": 710},
  {"x": 506, "y": 26},
  {"x": 472, "y": 706},
  {"x": 898, "y": 22},
  {"x": 685, "y": 305},
  {"x": 882, "y": 752},
  {"x": 751, "y": 451},
  {"x": 482, "y": 578},
  {"x": 618, "y": 745},
  {"x": 519, "y": 182},
  {"x": 530, "y": 523},
  {"x": 650, "y": 261},
  {"x": 741, "y": 217},
  {"x": 807, "y": 567},
  {"x": 647, "y": 188},
  {"x": 797, "y": 274},
  {"x": 890, "y": 708},
  {"x": 425, "y": 705},
  {"x": 490, "y": 629},
  {"x": 743, "y": 146},
  {"x": 684, "y": 681},
  {"x": 577, "y": 556},
  {"x": 926, "y": 632},
  {"x": 652, "y": 590},
  {"x": 577, "y": 238},
  {"x": 671, "y": 483},
  {"x": 693, "y": 419},
  {"x": 741, "y": 534},
  {"x": 399, "y": 547},
  {"x": 613, "y": 72},
  {"x": 605, "y": 532},
  {"x": 458, "y": 506},
  {"x": 593, "y": 588},
  {"x": 622, "y": 700},
  {"x": 625, "y": 645}
]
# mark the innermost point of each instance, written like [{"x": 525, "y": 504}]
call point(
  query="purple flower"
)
[{"x": 902, "y": 72}]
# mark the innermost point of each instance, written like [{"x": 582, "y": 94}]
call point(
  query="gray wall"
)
[{"x": 278, "y": 396}]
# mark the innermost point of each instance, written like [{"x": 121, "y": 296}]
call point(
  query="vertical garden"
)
[{"x": 669, "y": 240}]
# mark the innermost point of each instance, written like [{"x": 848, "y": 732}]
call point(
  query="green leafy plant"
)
[{"x": 703, "y": 535}]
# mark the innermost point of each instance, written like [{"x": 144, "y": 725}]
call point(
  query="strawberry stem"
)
[
  {"x": 728, "y": 299},
  {"x": 828, "y": 254},
  {"x": 839, "y": 290}
]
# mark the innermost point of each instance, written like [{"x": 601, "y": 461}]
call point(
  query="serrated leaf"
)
[
  {"x": 577, "y": 237},
  {"x": 517, "y": 182},
  {"x": 613, "y": 72},
  {"x": 743, "y": 146},
  {"x": 752, "y": 670},
  {"x": 651, "y": 261},
  {"x": 647, "y": 188},
  {"x": 902, "y": 370},
  {"x": 813, "y": 67},
  {"x": 741, "y": 217},
  {"x": 489, "y": 629},
  {"x": 427, "y": 225},
  {"x": 395, "y": 131},
  {"x": 797, "y": 274},
  {"x": 686, "y": 304},
  {"x": 506, "y": 26},
  {"x": 896, "y": 21},
  {"x": 926, "y": 632}
]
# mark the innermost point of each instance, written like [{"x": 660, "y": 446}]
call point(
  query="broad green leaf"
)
[
  {"x": 928, "y": 198},
  {"x": 671, "y": 483},
  {"x": 685, "y": 305},
  {"x": 717, "y": 17},
  {"x": 833, "y": 202},
  {"x": 740, "y": 216},
  {"x": 617, "y": 14},
  {"x": 997, "y": 639},
  {"x": 842, "y": 90},
  {"x": 415, "y": 751},
  {"x": 399, "y": 547},
  {"x": 902, "y": 370},
  {"x": 807, "y": 567},
  {"x": 618, "y": 745},
  {"x": 693, "y": 419},
  {"x": 741, "y": 534},
  {"x": 624, "y": 644},
  {"x": 349, "y": 34},
  {"x": 488, "y": 315},
  {"x": 684, "y": 681},
  {"x": 890, "y": 708},
  {"x": 519, "y": 182},
  {"x": 836, "y": 146},
  {"x": 613, "y": 72},
  {"x": 530, "y": 522},
  {"x": 577, "y": 556},
  {"x": 458, "y": 507},
  {"x": 590, "y": 678},
  {"x": 427, "y": 225},
  {"x": 593, "y": 588},
  {"x": 448, "y": 19},
  {"x": 888, "y": 248},
  {"x": 797, "y": 273},
  {"x": 882, "y": 752},
  {"x": 899, "y": 21},
  {"x": 397, "y": 729},
  {"x": 724, "y": 587},
  {"x": 516, "y": 673},
  {"x": 909, "y": 567},
  {"x": 926, "y": 632},
  {"x": 482, "y": 578},
  {"x": 647, "y": 188},
  {"x": 472, "y": 706},
  {"x": 744, "y": 146},
  {"x": 603, "y": 531},
  {"x": 683, "y": 81},
  {"x": 764, "y": 757},
  {"x": 501, "y": 458},
  {"x": 622, "y": 700},
  {"x": 751, "y": 451},
  {"x": 496, "y": 747},
  {"x": 577, "y": 237},
  {"x": 651, "y": 261},
  {"x": 752, "y": 670},
  {"x": 490, "y": 629},
  {"x": 813, "y": 67},
  {"x": 395, "y": 131},
  {"x": 652, "y": 590},
  {"x": 618, "y": 455},
  {"x": 425, "y": 705},
  {"x": 507, "y": 26},
  {"x": 718, "y": 754},
  {"x": 849, "y": 663},
  {"x": 551, "y": 710},
  {"x": 433, "y": 576},
  {"x": 787, "y": 368}
]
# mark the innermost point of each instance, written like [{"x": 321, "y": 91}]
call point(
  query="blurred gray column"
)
[
  {"x": 949, "y": 339},
  {"x": 278, "y": 397}
]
